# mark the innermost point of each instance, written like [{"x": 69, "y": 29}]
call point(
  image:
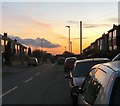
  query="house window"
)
[
  {"x": 110, "y": 48},
  {"x": 110, "y": 35},
  {"x": 114, "y": 34},
  {"x": 115, "y": 47},
  {"x": 16, "y": 48},
  {"x": 2, "y": 42},
  {"x": 114, "y": 41},
  {"x": 101, "y": 43},
  {"x": 6, "y": 42}
]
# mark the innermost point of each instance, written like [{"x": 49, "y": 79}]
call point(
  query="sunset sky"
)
[{"x": 48, "y": 20}]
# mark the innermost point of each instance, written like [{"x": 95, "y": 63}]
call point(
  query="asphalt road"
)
[{"x": 44, "y": 84}]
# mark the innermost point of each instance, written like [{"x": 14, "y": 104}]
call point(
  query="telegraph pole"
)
[
  {"x": 68, "y": 38},
  {"x": 80, "y": 37},
  {"x": 65, "y": 48},
  {"x": 70, "y": 46}
]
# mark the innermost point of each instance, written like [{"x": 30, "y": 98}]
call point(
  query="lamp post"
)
[
  {"x": 68, "y": 38},
  {"x": 65, "y": 48},
  {"x": 80, "y": 37},
  {"x": 71, "y": 46}
]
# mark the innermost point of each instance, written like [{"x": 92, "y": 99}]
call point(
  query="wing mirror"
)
[
  {"x": 76, "y": 90},
  {"x": 68, "y": 76}
]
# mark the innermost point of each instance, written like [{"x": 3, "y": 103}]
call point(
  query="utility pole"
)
[
  {"x": 80, "y": 37},
  {"x": 68, "y": 38},
  {"x": 71, "y": 46},
  {"x": 119, "y": 12},
  {"x": 65, "y": 48}
]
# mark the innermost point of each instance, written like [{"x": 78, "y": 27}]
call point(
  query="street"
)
[{"x": 44, "y": 84}]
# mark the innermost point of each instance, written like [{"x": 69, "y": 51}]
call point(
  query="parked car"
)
[
  {"x": 33, "y": 61},
  {"x": 101, "y": 86},
  {"x": 116, "y": 58},
  {"x": 61, "y": 60},
  {"x": 81, "y": 69},
  {"x": 69, "y": 63}
]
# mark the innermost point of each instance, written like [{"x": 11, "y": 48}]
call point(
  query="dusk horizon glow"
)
[{"x": 48, "y": 20}]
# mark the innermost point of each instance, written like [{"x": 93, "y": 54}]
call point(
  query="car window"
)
[
  {"x": 115, "y": 96},
  {"x": 83, "y": 68},
  {"x": 92, "y": 86}
]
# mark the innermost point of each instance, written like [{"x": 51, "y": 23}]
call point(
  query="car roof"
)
[
  {"x": 114, "y": 65},
  {"x": 71, "y": 58},
  {"x": 33, "y": 58},
  {"x": 92, "y": 59}
]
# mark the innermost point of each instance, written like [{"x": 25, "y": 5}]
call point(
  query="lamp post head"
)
[{"x": 67, "y": 26}]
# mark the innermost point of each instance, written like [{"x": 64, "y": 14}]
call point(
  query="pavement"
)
[
  {"x": 13, "y": 69},
  {"x": 7, "y": 70}
]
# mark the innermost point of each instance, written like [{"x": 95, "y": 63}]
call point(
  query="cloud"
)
[
  {"x": 62, "y": 37},
  {"x": 113, "y": 20},
  {"x": 38, "y": 42},
  {"x": 73, "y": 22},
  {"x": 94, "y": 25}
]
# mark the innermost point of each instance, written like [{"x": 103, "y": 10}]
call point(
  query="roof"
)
[
  {"x": 9, "y": 39},
  {"x": 93, "y": 59},
  {"x": 114, "y": 65}
]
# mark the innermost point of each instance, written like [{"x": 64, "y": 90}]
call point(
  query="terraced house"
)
[
  {"x": 107, "y": 43},
  {"x": 11, "y": 49}
]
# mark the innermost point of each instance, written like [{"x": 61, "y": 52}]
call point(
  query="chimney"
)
[
  {"x": 114, "y": 26},
  {"x": 15, "y": 40},
  {"x": 5, "y": 34}
]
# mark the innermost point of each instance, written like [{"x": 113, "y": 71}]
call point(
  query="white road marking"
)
[
  {"x": 37, "y": 74},
  {"x": 28, "y": 80},
  {"x": 8, "y": 91}
]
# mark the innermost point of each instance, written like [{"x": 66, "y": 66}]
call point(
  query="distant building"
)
[
  {"x": 109, "y": 42},
  {"x": 114, "y": 38}
]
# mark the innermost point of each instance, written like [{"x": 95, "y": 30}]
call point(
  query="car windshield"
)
[{"x": 83, "y": 68}]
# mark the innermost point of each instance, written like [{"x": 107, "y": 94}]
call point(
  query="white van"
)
[{"x": 102, "y": 85}]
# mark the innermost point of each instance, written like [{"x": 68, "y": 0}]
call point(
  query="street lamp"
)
[
  {"x": 71, "y": 46},
  {"x": 69, "y": 38}
]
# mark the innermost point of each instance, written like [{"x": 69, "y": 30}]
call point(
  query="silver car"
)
[
  {"x": 81, "y": 69},
  {"x": 33, "y": 61},
  {"x": 102, "y": 85}
]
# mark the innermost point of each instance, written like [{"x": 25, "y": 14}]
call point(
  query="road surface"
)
[{"x": 44, "y": 84}]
